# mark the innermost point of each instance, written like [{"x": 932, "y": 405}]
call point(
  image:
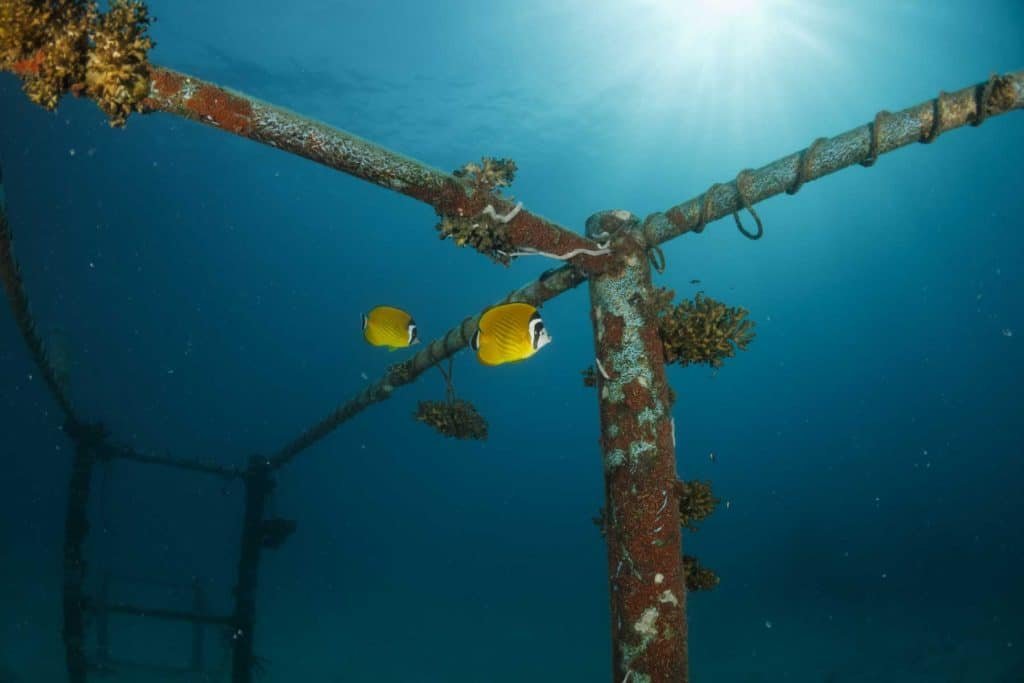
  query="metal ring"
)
[{"x": 656, "y": 257}]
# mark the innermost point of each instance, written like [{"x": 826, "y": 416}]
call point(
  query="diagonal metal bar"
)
[
  {"x": 210, "y": 104},
  {"x": 547, "y": 287},
  {"x": 76, "y": 430},
  {"x": 862, "y": 145},
  {"x": 10, "y": 275}
]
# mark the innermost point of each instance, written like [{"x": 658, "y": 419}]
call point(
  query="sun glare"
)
[{"x": 711, "y": 62}]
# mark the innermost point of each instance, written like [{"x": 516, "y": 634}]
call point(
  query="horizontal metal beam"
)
[
  {"x": 109, "y": 451},
  {"x": 862, "y": 145},
  {"x": 157, "y": 613},
  {"x": 547, "y": 287}
]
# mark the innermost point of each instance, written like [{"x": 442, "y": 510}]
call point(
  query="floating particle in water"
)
[
  {"x": 885, "y": 575},
  {"x": 1007, "y": 332},
  {"x": 767, "y": 623},
  {"x": 71, "y": 152},
  {"x": 364, "y": 375},
  {"x": 712, "y": 457}
]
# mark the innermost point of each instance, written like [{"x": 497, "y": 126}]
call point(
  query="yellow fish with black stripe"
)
[
  {"x": 390, "y": 327},
  {"x": 508, "y": 333}
]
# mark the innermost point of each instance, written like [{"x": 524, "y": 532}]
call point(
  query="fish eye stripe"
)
[{"x": 536, "y": 328}]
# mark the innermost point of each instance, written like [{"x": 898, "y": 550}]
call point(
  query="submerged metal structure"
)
[{"x": 646, "y": 567}]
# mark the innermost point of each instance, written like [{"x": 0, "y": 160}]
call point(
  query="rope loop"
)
[
  {"x": 803, "y": 166},
  {"x": 936, "y": 128},
  {"x": 742, "y": 179},
  {"x": 876, "y": 126},
  {"x": 982, "y": 100},
  {"x": 705, "y": 209}
]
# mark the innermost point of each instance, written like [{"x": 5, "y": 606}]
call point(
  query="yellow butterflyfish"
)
[
  {"x": 508, "y": 333},
  {"x": 390, "y": 327}
]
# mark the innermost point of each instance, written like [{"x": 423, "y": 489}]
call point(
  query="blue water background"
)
[{"x": 869, "y": 442}]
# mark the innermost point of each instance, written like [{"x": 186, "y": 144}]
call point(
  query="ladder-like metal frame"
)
[{"x": 645, "y": 564}]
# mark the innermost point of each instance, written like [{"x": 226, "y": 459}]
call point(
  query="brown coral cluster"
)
[
  {"x": 698, "y": 578},
  {"x": 482, "y": 232},
  {"x": 490, "y": 174},
  {"x": 117, "y": 70},
  {"x": 60, "y": 46},
  {"x": 487, "y": 236},
  {"x": 696, "y": 502},
  {"x": 457, "y": 419},
  {"x": 702, "y": 330}
]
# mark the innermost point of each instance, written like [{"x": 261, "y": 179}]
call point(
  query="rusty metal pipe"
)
[
  {"x": 210, "y": 104},
  {"x": 862, "y": 145},
  {"x": 641, "y": 513}
]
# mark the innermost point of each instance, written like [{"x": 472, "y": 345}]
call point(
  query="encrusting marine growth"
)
[
  {"x": 487, "y": 232},
  {"x": 60, "y": 46},
  {"x": 698, "y": 578},
  {"x": 457, "y": 418},
  {"x": 696, "y": 502}
]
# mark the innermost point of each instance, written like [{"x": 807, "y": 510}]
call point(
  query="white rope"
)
[
  {"x": 602, "y": 250},
  {"x": 489, "y": 211}
]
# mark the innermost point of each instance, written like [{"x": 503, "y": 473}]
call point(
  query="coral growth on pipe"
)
[
  {"x": 696, "y": 502},
  {"x": 698, "y": 578},
  {"x": 457, "y": 419},
  {"x": 61, "y": 46},
  {"x": 487, "y": 232},
  {"x": 702, "y": 330}
]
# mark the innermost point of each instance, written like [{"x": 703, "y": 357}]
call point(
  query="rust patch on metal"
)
[
  {"x": 227, "y": 111},
  {"x": 166, "y": 83},
  {"x": 636, "y": 396},
  {"x": 613, "y": 328}
]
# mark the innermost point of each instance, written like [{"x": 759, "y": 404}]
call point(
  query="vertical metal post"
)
[
  {"x": 258, "y": 485},
  {"x": 103, "y": 622},
  {"x": 641, "y": 514},
  {"x": 198, "y": 630},
  {"x": 76, "y": 527}
]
